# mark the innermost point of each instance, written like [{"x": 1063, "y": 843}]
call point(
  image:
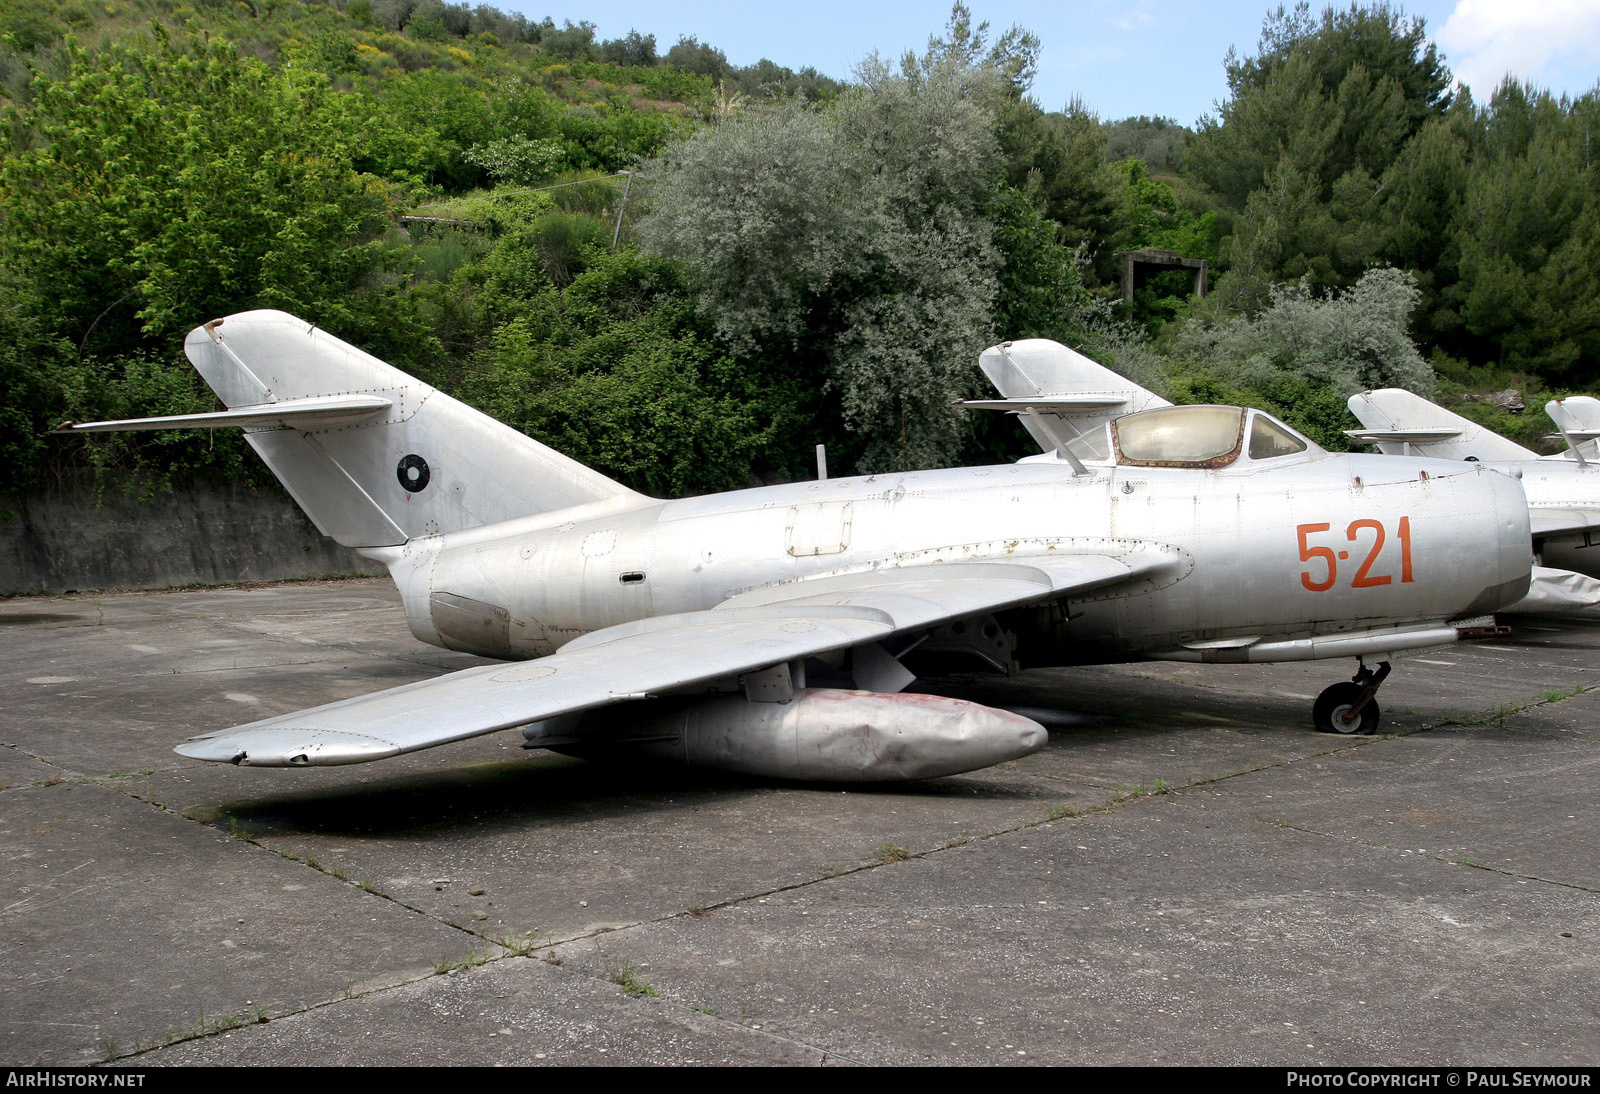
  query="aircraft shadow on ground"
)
[
  {"x": 548, "y": 788},
  {"x": 523, "y": 794}
]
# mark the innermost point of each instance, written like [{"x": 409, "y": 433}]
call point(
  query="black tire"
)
[{"x": 1335, "y": 701}]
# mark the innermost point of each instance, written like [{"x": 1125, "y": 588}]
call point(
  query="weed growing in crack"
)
[
  {"x": 893, "y": 852},
  {"x": 471, "y": 961},
  {"x": 623, "y": 976},
  {"x": 518, "y": 945}
]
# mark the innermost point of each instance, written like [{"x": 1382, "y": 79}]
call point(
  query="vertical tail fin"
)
[
  {"x": 1578, "y": 419},
  {"x": 1401, "y": 423},
  {"x": 373, "y": 456},
  {"x": 428, "y": 464},
  {"x": 1058, "y": 393}
]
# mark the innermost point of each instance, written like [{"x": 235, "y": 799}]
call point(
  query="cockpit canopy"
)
[{"x": 1201, "y": 437}]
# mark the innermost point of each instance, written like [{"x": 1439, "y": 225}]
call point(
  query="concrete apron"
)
[{"x": 1187, "y": 873}]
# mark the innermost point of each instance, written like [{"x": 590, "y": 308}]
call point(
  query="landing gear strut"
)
[{"x": 1352, "y": 707}]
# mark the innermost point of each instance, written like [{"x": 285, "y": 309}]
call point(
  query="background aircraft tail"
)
[
  {"x": 1577, "y": 417},
  {"x": 1058, "y": 394},
  {"x": 1401, "y": 423},
  {"x": 373, "y": 456}
]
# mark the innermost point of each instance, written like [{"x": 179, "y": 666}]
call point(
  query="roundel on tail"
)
[{"x": 413, "y": 474}]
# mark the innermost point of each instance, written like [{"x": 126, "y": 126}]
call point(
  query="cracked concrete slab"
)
[
  {"x": 560, "y": 847},
  {"x": 1168, "y": 932},
  {"x": 17, "y": 768},
  {"x": 142, "y": 671},
  {"x": 1479, "y": 796},
  {"x": 122, "y": 925},
  {"x": 515, "y": 1012}
]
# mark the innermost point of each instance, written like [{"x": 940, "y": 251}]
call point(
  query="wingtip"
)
[{"x": 288, "y": 748}]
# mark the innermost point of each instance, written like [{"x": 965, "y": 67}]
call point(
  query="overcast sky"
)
[{"x": 1122, "y": 57}]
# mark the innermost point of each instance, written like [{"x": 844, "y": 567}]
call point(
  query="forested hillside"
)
[{"x": 687, "y": 273}]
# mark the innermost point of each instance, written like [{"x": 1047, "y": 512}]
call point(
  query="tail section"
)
[
  {"x": 1403, "y": 424},
  {"x": 1059, "y": 394},
  {"x": 373, "y": 456},
  {"x": 1578, "y": 419}
]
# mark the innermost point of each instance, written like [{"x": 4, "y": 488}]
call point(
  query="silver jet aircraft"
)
[
  {"x": 770, "y": 630},
  {"x": 1563, "y": 490},
  {"x": 1065, "y": 399}
]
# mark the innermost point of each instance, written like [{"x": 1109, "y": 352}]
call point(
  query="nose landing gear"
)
[{"x": 1352, "y": 707}]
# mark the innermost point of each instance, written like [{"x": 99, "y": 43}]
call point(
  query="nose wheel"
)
[{"x": 1353, "y": 707}]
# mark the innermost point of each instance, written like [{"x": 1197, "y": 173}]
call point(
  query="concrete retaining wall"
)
[{"x": 205, "y": 531}]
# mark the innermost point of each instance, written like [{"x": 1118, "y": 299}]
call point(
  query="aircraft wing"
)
[
  {"x": 1556, "y": 522},
  {"x": 754, "y": 630}
]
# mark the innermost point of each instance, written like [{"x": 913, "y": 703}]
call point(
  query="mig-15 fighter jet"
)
[
  {"x": 774, "y": 630},
  {"x": 1563, "y": 490}
]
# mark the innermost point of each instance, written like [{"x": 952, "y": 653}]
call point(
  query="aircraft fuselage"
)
[
  {"x": 1273, "y": 549},
  {"x": 1561, "y": 484}
]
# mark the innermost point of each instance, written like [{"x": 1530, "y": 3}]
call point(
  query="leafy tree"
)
[
  {"x": 1159, "y": 142},
  {"x": 1337, "y": 94},
  {"x": 1528, "y": 235},
  {"x": 156, "y": 184},
  {"x": 855, "y": 239},
  {"x": 767, "y": 80},
  {"x": 571, "y": 41},
  {"x": 1303, "y": 355},
  {"x": 619, "y": 372},
  {"x": 516, "y": 160},
  {"x": 1313, "y": 122},
  {"x": 693, "y": 55},
  {"x": 1059, "y": 161},
  {"x": 635, "y": 49},
  {"x": 967, "y": 60}
]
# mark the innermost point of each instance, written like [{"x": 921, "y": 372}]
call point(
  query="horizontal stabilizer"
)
[
  {"x": 314, "y": 413},
  {"x": 1402, "y": 436},
  {"x": 1056, "y": 404}
]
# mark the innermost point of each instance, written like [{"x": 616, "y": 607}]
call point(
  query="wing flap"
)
[{"x": 760, "y": 628}]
